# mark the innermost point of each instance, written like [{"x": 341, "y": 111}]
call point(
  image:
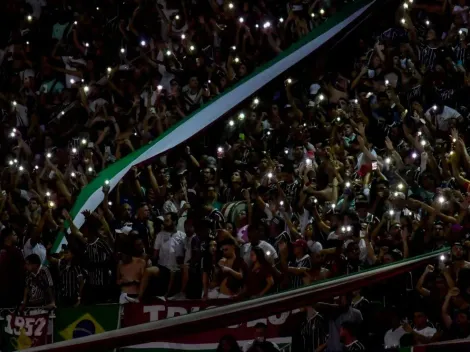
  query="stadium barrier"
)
[{"x": 210, "y": 320}]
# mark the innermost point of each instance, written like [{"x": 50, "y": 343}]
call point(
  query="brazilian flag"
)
[{"x": 73, "y": 323}]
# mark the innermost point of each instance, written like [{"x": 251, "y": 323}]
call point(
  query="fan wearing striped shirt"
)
[
  {"x": 348, "y": 335},
  {"x": 299, "y": 267},
  {"x": 71, "y": 279},
  {"x": 39, "y": 289},
  {"x": 99, "y": 255}
]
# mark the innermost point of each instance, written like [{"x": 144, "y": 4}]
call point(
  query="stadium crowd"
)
[{"x": 321, "y": 174}]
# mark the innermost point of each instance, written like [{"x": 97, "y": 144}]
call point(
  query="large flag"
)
[
  {"x": 72, "y": 323},
  {"x": 91, "y": 196},
  {"x": 22, "y": 332}
]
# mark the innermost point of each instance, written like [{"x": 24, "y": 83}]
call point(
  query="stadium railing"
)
[{"x": 235, "y": 313}]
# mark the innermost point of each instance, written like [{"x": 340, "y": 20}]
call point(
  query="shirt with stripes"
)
[
  {"x": 355, "y": 346},
  {"x": 460, "y": 52},
  {"x": 427, "y": 56},
  {"x": 218, "y": 219},
  {"x": 99, "y": 255},
  {"x": 304, "y": 262},
  {"x": 38, "y": 285},
  {"x": 414, "y": 94},
  {"x": 192, "y": 100},
  {"x": 313, "y": 333},
  {"x": 69, "y": 275}
]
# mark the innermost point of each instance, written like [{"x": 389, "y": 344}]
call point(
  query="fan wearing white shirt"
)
[
  {"x": 33, "y": 246},
  {"x": 422, "y": 332},
  {"x": 169, "y": 251},
  {"x": 177, "y": 203},
  {"x": 393, "y": 335},
  {"x": 441, "y": 117},
  {"x": 254, "y": 238}
]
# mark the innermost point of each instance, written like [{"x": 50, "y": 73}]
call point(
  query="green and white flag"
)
[{"x": 92, "y": 196}]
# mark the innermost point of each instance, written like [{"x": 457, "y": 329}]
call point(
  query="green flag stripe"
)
[{"x": 90, "y": 197}]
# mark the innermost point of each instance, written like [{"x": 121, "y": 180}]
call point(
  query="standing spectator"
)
[
  {"x": 259, "y": 278},
  {"x": 302, "y": 264},
  {"x": 337, "y": 314},
  {"x": 169, "y": 254},
  {"x": 71, "y": 278},
  {"x": 11, "y": 269},
  {"x": 39, "y": 290},
  {"x": 99, "y": 255},
  {"x": 130, "y": 272},
  {"x": 348, "y": 334},
  {"x": 254, "y": 236}
]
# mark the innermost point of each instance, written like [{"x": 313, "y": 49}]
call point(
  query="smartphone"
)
[
  {"x": 220, "y": 152},
  {"x": 374, "y": 165}
]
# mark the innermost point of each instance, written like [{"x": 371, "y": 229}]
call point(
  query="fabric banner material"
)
[
  {"x": 22, "y": 332},
  {"x": 91, "y": 196},
  {"x": 75, "y": 322},
  {"x": 454, "y": 346},
  {"x": 278, "y": 331}
]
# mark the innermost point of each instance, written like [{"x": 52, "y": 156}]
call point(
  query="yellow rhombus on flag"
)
[{"x": 67, "y": 333}]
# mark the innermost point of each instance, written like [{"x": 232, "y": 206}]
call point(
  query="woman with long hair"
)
[
  {"x": 228, "y": 344},
  {"x": 260, "y": 279}
]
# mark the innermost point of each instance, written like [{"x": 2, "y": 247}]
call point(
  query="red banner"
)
[
  {"x": 135, "y": 314},
  {"x": 22, "y": 332}
]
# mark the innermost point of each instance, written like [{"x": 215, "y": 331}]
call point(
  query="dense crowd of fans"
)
[{"x": 322, "y": 175}]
